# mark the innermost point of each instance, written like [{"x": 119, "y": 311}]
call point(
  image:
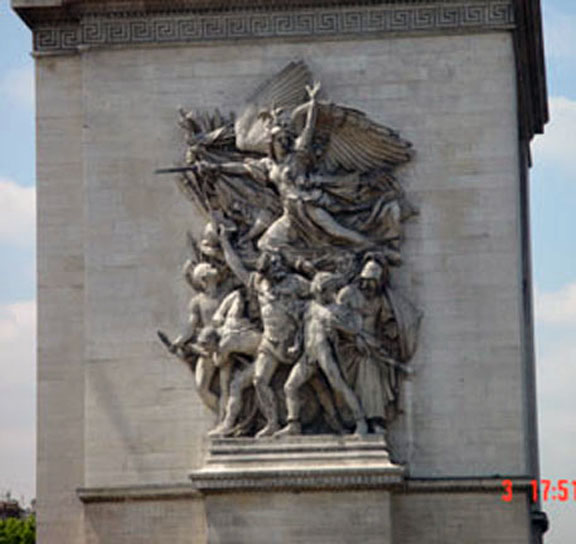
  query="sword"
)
[
  {"x": 190, "y": 348},
  {"x": 166, "y": 341},
  {"x": 381, "y": 356},
  {"x": 386, "y": 360},
  {"x": 176, "y": 169}
]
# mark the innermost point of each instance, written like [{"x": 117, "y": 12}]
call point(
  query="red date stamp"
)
[{"x": 545, "y": 490}]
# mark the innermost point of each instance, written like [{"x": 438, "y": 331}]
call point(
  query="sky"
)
[{"x": 553, "y": 205}]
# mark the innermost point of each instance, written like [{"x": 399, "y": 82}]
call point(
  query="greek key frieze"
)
[{"x": 192, "y": 27}]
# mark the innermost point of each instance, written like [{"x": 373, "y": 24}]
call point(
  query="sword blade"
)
[{"x": 175, "y": 170}]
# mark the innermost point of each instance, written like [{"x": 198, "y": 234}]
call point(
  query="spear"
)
[
  {"x": 182, "y": 170},
  {"x": 177, "y": 169}
]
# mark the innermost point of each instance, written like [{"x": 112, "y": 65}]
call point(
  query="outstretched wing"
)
[
  {"x": 286, "y": 90},
  {"x": 346, "y": 138}
]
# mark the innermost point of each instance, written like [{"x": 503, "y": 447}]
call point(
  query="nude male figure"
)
[
  {"x": 204, "y": 278},
  {"x": 321, "y": 325}
]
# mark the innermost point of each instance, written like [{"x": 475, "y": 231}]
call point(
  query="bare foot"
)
[
  {"x": 361, "y": 427},
  {"x": 220, "y": 431},
  {"x": 268, "y": 430},
  {"x": 293, "y": 428}
]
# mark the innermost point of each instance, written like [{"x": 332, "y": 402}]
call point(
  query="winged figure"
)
[{"x": 293, "y": 187}]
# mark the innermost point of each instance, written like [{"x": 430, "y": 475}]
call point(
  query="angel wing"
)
[
  {"x": 349, "y": 139},
  {"x": 286, "y": 90}
]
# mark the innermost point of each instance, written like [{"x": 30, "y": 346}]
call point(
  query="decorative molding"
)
[
  {"x": 295, "y": 480},
  {"x": 306, "y": 453},
  {"x": 151, "y": 492},
  {"x": 343, "y": 480},
  {"x": 188, "y": 27},
  {"x": 298, "y": 463}
]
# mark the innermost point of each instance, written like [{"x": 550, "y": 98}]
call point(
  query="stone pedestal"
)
[
  {"x": 315, "y": 489},
  {"x": 305, "y": 517},
  {"x": 298, "y": 463}
]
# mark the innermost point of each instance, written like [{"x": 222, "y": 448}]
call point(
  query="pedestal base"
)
[
  {"x": 301, "y": 489},
  {"x": 299, "y": 462}
]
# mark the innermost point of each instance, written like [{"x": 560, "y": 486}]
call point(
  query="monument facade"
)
[{"x": 284, "y": 281}]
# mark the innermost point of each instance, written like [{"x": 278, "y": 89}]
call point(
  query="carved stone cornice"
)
[
  {"x": 98, "y": 28},
  {"x": 150, "y": 492}
]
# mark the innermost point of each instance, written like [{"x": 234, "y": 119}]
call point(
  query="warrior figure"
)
[
  {"x": 322, "y": 321},
  {"x": 204, "y": 279},
  {"x": 374, "y": 357},
  {"x": 237, "y": 321}
]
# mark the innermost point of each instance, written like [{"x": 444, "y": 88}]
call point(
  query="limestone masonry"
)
[{"x": 135, "y": 448}]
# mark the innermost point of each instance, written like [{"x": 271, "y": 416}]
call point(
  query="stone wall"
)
[
  {"x": 146, "y": 522},
  {"x": 61, "y": 281},
  {"x": 453, "y": 98},
  {"x": 116, "y": 409}
]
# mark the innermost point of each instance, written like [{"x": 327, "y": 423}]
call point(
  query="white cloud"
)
[
  {"x": 17, "y": 343},
  {"x": 18, "y": 397},
  {"x": 17, "y": 86},
  {"x": 556, "y": 147},
  {"x": 18, "y": 213},
  {"x": 557, "y": 307}
]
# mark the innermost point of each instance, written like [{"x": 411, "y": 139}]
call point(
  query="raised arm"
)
[
  {"x": 257, "y": 169},
  {"x": 205, "y": 167},
  {"x": 304, "y": 141},
  {"x": 234, "y": 168}
]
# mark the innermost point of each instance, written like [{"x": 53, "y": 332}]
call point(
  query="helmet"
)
[
  {"x": 201, "y": 273},
  {"x": 372, "y": 270}
]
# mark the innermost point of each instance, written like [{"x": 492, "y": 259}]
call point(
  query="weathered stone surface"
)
[
  {"x": 450, "y": 518},
  {"x": 60, "y": 301},
  {"x": 300, "y": 518},
  {"x": 437, "y": 518},
  {"x": 116, "y": 410},
  {"x": 462, "y": 257},
  {"x": 147, "y": 522}
]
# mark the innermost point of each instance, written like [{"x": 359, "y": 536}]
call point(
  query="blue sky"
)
[{"x": 553, "y": 196}]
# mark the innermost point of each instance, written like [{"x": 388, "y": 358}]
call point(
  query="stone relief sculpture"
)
[{"x": 295, "y": 326}]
